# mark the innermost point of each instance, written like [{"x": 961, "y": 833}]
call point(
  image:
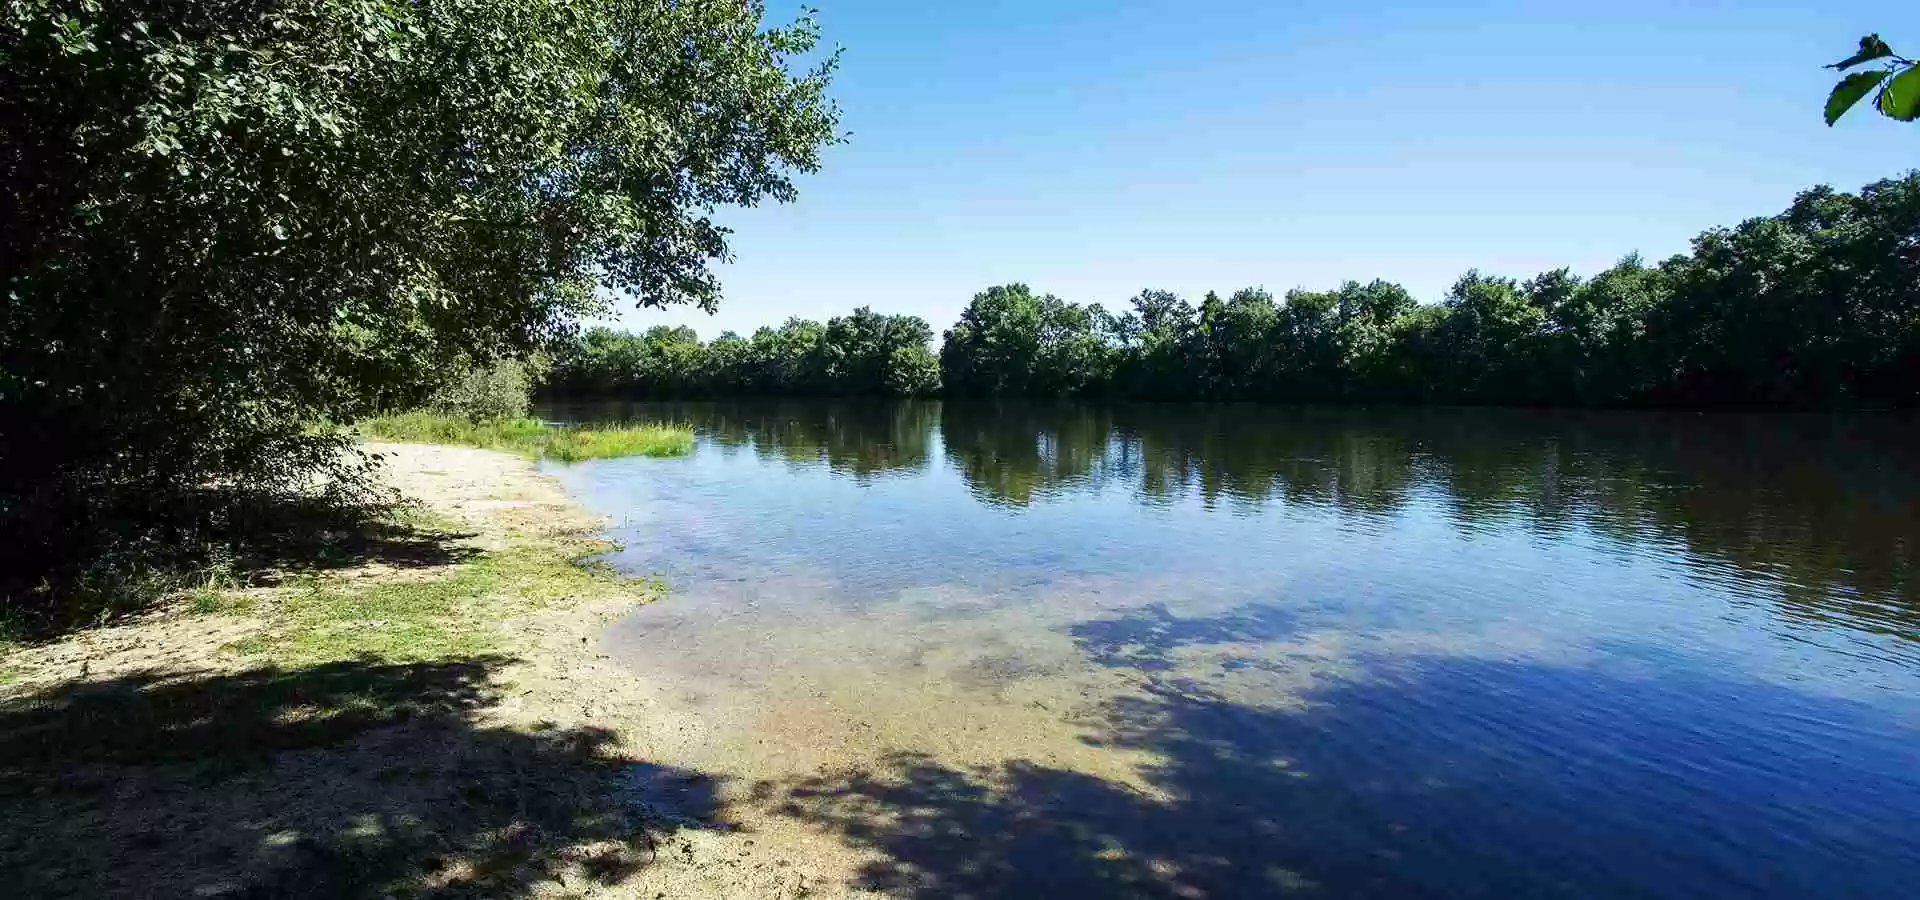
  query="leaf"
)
[
  {"x": 1900, "y": 99},
  {"x": 1849, "y": 91},
  {"x": 1871, "y": 48}
]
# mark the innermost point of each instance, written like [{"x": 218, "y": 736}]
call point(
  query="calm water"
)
[{"x": 1239, "y": 651}]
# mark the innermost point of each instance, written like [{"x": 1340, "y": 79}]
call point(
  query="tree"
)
[
  {"x": 227, "y": 221},
  {"x": 992, "y": 349},
  {"x": 1622, "y": 347},
  {"x": 1369, "y": 316},
  {"x": 1490, "y": 341},
  {"x": 1307, "y": 339},
  {"x": 869, "y": 353},
  {"x": 1163, "y": 349},
  {"x": 1239, "y": 331},
  {"x": 1010, "y": 341},
  {"x": 1898, "y": 81}
]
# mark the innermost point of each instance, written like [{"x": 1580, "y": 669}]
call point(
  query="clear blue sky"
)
[{"x": 1092, "y": 149}]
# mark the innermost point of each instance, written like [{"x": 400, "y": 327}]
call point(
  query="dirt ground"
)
[{"x": 173, "y": 757}]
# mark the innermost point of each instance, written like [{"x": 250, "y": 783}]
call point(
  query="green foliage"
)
[
  {"x": 226, "y": 221},
  {"x": 531, "y": 437},
  {"x": 863, "y": 353},
  {"x": 576, "y": 444},
  {"x": 1010, "y": 341},
  {"x": 1818, "y": 307},
  {"x": 1900, "y": 99},
  {"x": 500, "y": 390},
  {"x": 1850, "y": 90},
  {"x": 1899, "y": 96}
]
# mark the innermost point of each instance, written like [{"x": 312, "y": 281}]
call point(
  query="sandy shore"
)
[
  {"x": 701, "y": 845},
  {"x": 523, "y": 773}
]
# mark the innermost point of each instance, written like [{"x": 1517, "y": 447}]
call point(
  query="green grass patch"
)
[
  {"x": 429, "y": 618},
  {"x": 532, "y": 437},
  {"x": 439, "y": 613}
]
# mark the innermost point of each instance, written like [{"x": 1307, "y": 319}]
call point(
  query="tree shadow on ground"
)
[
  {"x": 125, "y": 561},
  {"x": 219, "y": 538},
  {"x": 340, "y": 780},
  {"x": 1428, "y": 776},
  {"x": 309, "y": 534}
]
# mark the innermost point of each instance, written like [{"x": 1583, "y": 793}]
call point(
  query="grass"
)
[
  {"x": 437, "y": 614},
  {"x": 532, "y": 437}
]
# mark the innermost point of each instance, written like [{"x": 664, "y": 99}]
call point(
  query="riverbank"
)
[{"x": 430, "y": 717}]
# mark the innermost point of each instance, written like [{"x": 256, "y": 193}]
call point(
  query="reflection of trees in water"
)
[
  {"x": 1821, "y": 506},
  {"x": 1012, "y": 453},
  {"x": 1436, "y": 776},
  {"x": 860, "y": 438}
]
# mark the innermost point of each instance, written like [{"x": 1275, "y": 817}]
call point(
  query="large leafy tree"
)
[
  {"x": 1160, "y": 344},
  {"x": 994, "y": 347},
  {"x": 226, "y": 220},
  {"x": 868, "y": 353},
  {"x": 1238, "y": 332}
]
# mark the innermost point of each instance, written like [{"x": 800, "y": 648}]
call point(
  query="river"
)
[{"x": 1233, "y": 651}]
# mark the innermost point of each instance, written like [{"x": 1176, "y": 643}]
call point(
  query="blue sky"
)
[{"x": 1095, "y": 149}]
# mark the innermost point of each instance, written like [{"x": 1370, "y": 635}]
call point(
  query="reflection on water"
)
[{"x": 1240, "y": 651}]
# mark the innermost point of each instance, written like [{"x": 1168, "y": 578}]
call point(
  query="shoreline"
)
[{"x": 484, "y": 663}]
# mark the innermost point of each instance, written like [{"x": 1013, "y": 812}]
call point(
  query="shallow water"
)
[{"x": 1227, "y": 651}]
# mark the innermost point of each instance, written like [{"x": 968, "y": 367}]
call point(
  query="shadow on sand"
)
[
  {"x": 82, "y": 572},
  {"x": 339, "y": 780}
]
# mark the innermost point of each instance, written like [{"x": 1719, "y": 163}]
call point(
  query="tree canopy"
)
[{"x": 227, "y": 221}]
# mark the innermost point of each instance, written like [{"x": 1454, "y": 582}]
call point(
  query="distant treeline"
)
[
  {"x": 1816, "y": 307},
  {"x": 863, "y": 353}
]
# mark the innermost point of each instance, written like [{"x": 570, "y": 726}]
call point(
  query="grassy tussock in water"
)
[{"x": 532, "y": 436}]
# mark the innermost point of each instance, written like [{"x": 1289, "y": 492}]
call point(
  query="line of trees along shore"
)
[{"x": 1817, "y": 307}]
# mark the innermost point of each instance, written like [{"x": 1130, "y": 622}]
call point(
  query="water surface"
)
[{"x": 1228, "y": 651}]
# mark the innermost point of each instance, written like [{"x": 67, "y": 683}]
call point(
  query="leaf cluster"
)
[{"x": 1897, "y": 80}]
